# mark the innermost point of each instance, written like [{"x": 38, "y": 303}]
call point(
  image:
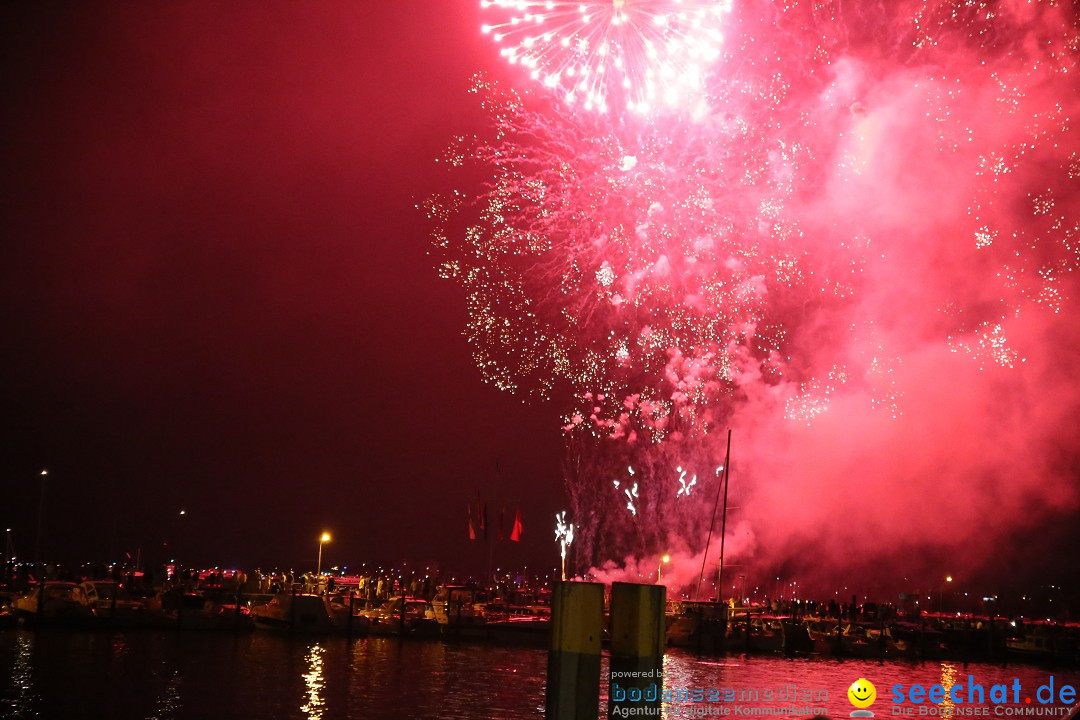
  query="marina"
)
[
  {"x": 171, "y": 676},
  {"x": 508, "y": 614}
]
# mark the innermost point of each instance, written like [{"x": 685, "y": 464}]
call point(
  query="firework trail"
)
[
  {"x": 861, "y": 201},
  {"x": 564, "y": 535}
]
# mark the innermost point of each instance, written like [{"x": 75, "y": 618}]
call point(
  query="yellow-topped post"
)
[
  {"x": 573, "y": 680},
  {"x": 637, "y": 649}
]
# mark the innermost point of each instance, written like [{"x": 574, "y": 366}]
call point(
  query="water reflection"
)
[
  {"x": 314, "y": 681},
  {"x": 948, "y": 679},
  {"x": 171, "y": 676},
  {"x": 168, "y": 703},
  {"x": 24, "y": 700},
  {"x": 441, "y": 681},
  {"x": 687, "y": 671}
]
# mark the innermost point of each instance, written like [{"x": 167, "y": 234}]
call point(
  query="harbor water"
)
[{"x": 163, "y": 675}]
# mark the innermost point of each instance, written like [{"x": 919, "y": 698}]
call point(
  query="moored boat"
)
[
  {"x": 60, "y": 602},
  {"x": 107, "y": 602},
  {"x": 198, "y": 611},
  {"x": 402, "y": 616},
  {"x": 456, "y": 610},
  {"x": 522, "y": 626},
  {"x": 699, "y": 625},
  {"x": 1042, "y": 642},
  {"x": 304, "y": 612}
]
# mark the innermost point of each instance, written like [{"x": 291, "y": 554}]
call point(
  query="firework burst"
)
[
  {"x": 647, "y": 273},
  {"x": 830, "y": 211},
  {"x": 612, "y": 54}
]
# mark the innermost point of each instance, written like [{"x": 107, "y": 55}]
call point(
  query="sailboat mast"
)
[
  {"x": 723, "y": 522},
  {"x": 712, "y": 523}
]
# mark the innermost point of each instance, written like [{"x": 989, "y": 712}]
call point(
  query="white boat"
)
[
  {"x": 1039, "y": 641},
  {"x": 303, "y": 612},
  {"x": 197, "y": 611},
  {"x": 62, "y": 601},
  {"x": 8, "y": 617},
  {"x": 103, "y": 597},
  {"x": 419, "y": 618},
  {"x": 457, "y": 604},
  {"x": 520, "y": 625},
  {"x": 459, "y": 611},
  {"x": 699, "y": 624}
]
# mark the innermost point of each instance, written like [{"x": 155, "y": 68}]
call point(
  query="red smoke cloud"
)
[{"x": 857, "y": 250}]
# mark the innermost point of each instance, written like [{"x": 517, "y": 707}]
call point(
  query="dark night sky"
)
[{"x": 216, "y": 293}]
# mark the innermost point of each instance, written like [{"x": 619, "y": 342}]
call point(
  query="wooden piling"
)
[
  {"x": 349, "y": 622},
  {"x": 637, "y": 650},
  {"x": 964, "y": 644},
  {"x": 40, "y": 602},
  {"x": 881, "y": 637},
  {"x": 573, "y": 676},
  {"x": 292, "y": 608},
  {"x": 457, "y": 625}
]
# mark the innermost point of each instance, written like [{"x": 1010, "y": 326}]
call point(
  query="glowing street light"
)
[
  {"x": 40, "y": 521},
  {"x": 325, "y": 538},
  {"x": 664, "y": 560},
  {"x": 9, "y": 555},
  {"x": 180, "y": 526},
  {"x": 941, "y": 595}
]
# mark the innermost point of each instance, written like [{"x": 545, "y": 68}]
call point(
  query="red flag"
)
[
  {"x": 472, "y": 530},
  {"x": 515, "y": 534}
]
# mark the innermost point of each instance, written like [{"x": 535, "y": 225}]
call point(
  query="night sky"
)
[{"x": 217, "y": 294}]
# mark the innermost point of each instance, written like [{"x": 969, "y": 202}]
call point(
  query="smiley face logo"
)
[{"x": 862, "y": 693}]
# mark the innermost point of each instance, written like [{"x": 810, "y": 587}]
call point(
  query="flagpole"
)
[{"x": 491, "y": 539}]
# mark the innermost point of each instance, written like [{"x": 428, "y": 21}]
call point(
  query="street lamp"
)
[
  {"x": 9, "y": 555},
  {"x": 40, "y": 521},
  {"x": 941, "y": 595},
  {"x": 322, "y": 540},
  {"x": 663, "y": 560},
  {"x": 179, "y": 525}
]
